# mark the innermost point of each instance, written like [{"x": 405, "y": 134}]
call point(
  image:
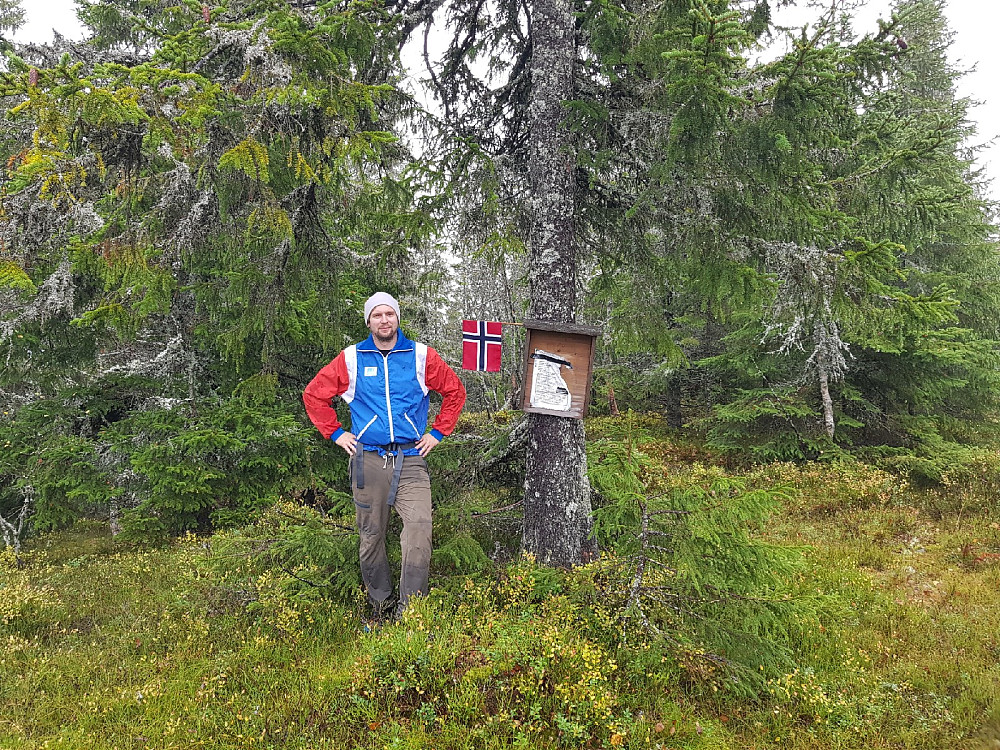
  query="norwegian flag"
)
[{"x": 481, "y": 342}]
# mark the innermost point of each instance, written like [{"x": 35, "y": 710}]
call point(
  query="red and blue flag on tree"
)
[{"x": 481, "y": 343}]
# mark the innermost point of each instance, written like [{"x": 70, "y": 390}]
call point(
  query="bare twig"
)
[{"x": 497, "y": 510}]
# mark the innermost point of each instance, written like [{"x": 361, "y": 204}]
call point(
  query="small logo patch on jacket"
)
[{"x": 370, "y": 371}]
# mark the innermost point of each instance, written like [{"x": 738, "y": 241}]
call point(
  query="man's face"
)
[{"x": 383, "y": 324}]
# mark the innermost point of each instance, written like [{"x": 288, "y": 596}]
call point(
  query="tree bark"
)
[
  {"x": 557, "y": 511},
  {"x": 829, "y": 426},
  {"x": 675, "y": 415},
  {"x": 13, "y": 531}
]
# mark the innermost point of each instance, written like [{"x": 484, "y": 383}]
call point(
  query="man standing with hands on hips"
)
[{"x": 386, "y": 380}]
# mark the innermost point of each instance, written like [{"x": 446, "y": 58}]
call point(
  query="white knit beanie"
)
[{"x": 380, "y": 298}]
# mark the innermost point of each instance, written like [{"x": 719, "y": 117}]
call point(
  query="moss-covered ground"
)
[{"x": 104, "y": 645}]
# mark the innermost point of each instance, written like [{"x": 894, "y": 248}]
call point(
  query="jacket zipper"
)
[{"x": 388, "y": 403}]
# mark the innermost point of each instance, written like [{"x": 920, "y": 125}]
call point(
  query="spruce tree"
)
[
  {"x": 11, "y": 18},
  {"x": 925, "y": 384},
  {"x": 195, "y": 205},
  {"x": 751, "y": 208},
  {"x": 557, "y": 507}
]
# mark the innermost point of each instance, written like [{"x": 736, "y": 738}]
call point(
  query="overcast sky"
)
[{"x": 975, "y": 48}]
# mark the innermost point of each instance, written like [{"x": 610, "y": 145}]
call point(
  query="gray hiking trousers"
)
[{"x": 413, "y": 504}]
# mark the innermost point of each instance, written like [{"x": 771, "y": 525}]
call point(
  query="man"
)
[{"x": 386, "y": 380}]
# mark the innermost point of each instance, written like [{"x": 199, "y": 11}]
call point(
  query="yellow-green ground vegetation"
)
[{"x": 256, "y": 637}]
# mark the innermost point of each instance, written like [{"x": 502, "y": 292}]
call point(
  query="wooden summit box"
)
[{"x": 558, "y": 368}]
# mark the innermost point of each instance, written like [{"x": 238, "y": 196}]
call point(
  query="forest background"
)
[
  {"x": 791, "y": 260},
  {"x": 794, "y": 257}
]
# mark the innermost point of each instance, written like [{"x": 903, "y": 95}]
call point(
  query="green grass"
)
[{"x": 109, "y": 646}]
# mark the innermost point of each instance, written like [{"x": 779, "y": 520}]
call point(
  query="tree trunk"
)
[
  {"x": 115, "y": 516},
  {"x": 557, "y": 520},
  {"x": 675, "y": 415},
  {"x": 13, "y": 531},
  {"x": 824, "y": 391}
]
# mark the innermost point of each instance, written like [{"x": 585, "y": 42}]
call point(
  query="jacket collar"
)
[{"x": 402, "y": 343}]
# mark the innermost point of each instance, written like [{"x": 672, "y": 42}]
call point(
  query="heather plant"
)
[
  {"x": 836, "y": 485},
  {"x": 24, "y": 603},
  {"x": 504, "y": 657}
]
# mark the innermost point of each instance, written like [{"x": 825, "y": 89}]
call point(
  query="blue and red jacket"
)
[{"x": 387, "y": 393}]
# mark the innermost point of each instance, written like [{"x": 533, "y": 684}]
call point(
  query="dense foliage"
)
[
  {"x": 813, "y": 225},
  {"x": 195, "y": 205},
  {"x": 789, "y": 254}
]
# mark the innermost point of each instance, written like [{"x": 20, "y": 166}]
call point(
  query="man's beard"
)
[{"x": 379, "y": 338}]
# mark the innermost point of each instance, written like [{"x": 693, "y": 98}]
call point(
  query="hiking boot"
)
[{"x": 383, "y": 612}]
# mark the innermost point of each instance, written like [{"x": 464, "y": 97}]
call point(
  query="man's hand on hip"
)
[
  {"x": 426, "y": 442},
  {"x": 348, "y": 442}
]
